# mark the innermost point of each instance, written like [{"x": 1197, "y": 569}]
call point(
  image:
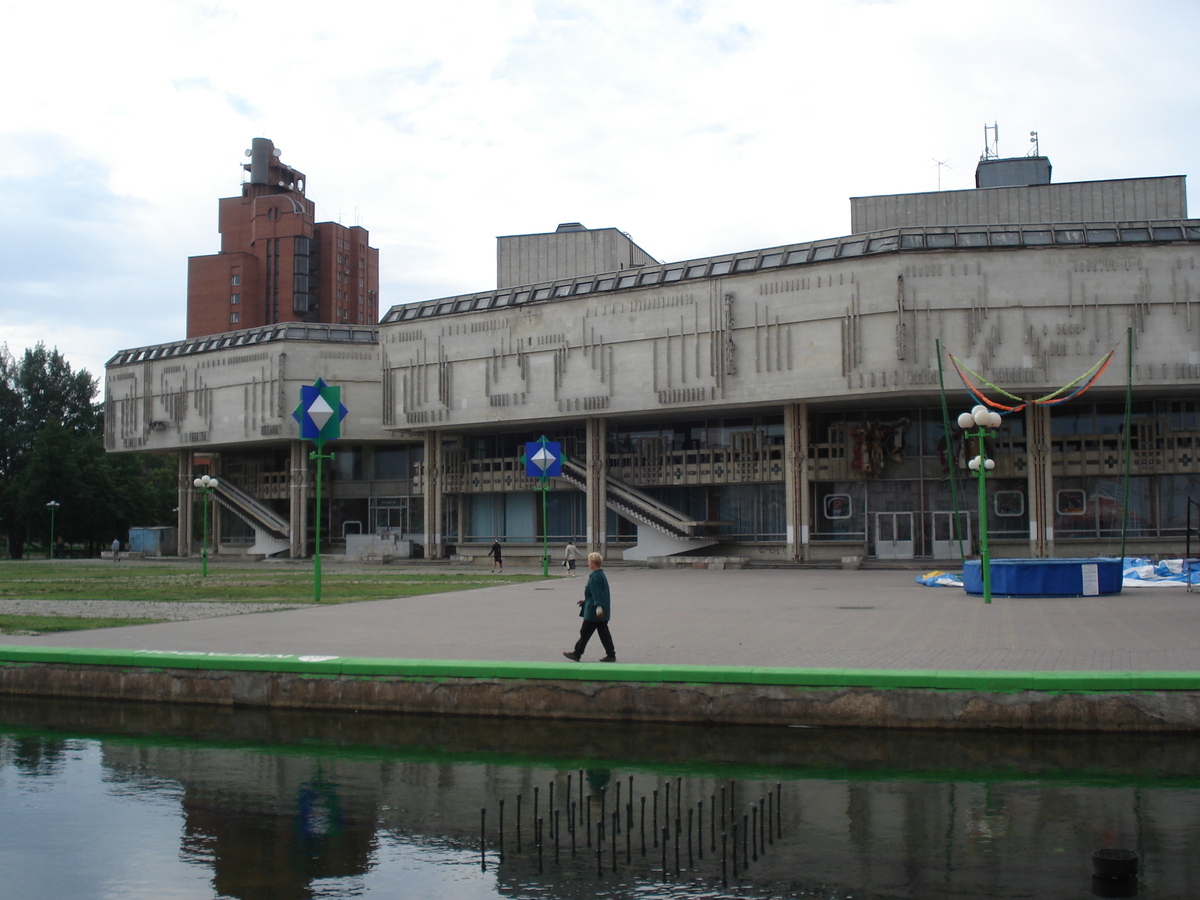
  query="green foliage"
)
[{"x": 52, "y": 448}]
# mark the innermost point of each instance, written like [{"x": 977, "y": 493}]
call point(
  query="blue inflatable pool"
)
[{"x": 1092, "y": 577}]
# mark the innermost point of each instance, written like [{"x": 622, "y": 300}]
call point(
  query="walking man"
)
[
  {"x": 497, "y": 562},
  {"x": 116, "y": 550},
  {"x": 596, "y": 609},
  {"x": 569, "y": 557}
]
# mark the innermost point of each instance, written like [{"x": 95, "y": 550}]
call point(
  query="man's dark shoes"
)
[
  {"x": 571, "y": 656},
  {"x": 609, "y": 659}
]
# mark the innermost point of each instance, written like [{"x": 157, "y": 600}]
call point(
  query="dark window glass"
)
[
  {"x": 605, "y": 284},
  {"x": 1006, "y": 238},
  {"x": 626, "y": 281},
  {"x": 649, "y": 277},
  {"x": 541, "y": 294},
  {"x": 744, "y": 265},
  {"x": 1037, "y": 237},
  {"x": 696, "y": 271},
  {"x": 851, "y": 248},
  {"x": 720, "y": 268},
  {"x": 1135, "y": 234},
  {"x": 463, "y": 305},
  {"x": 972, "y": 239},
  {"x": 584, "y": 287},
  {"x": 1102, "y": 235},
  {"x": 562, "y": 290},
  {"x": 672, "y": 274},
  {"x": 1168, "y": 234},
  {"x": 771, "y": 260},
  {"x": 940, "y": 240},
  {"x": 445, "y": 307},
  {"x": 879, "y": 245},
  {"x": 912, "y": 241},
  {"x": 1069, "y": 236},
  {"x": 825, "y": 252}
]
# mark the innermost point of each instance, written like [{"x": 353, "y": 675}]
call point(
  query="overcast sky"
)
[{"x": 695, "y": 127}]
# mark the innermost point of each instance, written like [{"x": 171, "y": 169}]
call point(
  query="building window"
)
[
  {"x": 234, "y": 318},
  {"x": 236, "y": 278},
  {"x": 235, "y": 298}
]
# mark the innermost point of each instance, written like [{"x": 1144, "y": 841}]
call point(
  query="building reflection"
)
[{"x": 873, "y": 814}]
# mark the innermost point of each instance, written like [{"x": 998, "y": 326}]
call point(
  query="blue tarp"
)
[{"x": 1137, "y": 572}]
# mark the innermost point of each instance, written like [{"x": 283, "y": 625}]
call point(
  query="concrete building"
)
[
  {"x": 277, "y": 264},
  {"x": 780, "y": 403}
]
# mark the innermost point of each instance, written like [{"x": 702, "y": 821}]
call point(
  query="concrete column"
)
[
  {"x": 432, "y": 483},
  {"x": 183, "y": 515},
  {"x": 1040, "y": 481},
  {"x": 597, "y": 487},
  {"x": 298, "y": 487},
  {"x": 796, "y": 478}
]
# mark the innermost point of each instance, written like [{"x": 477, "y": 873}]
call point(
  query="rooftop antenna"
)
[
  {"x": 991, "y": 147},
  {"x": 940, "y": 163},
  {"x": 1033, "y": 139}
]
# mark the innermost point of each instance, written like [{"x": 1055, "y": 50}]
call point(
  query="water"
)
[{"x": 131, "y": 801}]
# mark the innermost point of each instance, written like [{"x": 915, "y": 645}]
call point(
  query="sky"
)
[{"x": 695, "y": 127}]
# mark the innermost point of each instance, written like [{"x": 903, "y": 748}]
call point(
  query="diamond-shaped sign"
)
[
  {"x": 320, "y": 412},
  {"x": 543, "y": 459}
]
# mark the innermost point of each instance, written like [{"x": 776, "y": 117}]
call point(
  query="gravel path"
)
[{"x": 177, "y": 611}]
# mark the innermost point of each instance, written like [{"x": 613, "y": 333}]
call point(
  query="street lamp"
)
[
  {"x": 53, "y": 506},
  {"x": 207, "y": 484},
  {"x": 987, "y": 422}
]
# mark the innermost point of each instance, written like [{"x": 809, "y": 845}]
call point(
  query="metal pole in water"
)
[
  {"x": 537, "y": 836},
  {"x": 762, "y": 825},
  {"x": 667, "y": 802},
  {"x": 723, "y": 808},
  {"x": 678, "y": 797},
  {"x": 712, "y": 821},
  {"x": 677, "y": 830},
  {"x": 770, "y": 818},
  {"x": 779, "y": 809},
  {"x": 518, "y": 823},
  {"x": 643, "y": 824},
  {"x": 557, "y": 827},
  {"x": 629, "y": 832},
  {"x": 599, "y": 850},
  {"x": 629, "y": 824},
  {"x": 734, "y": 849},
  {"x": 536, "y": 817},
  {"x": 616, "y": 821},
  {"x": 550, "y": 804},
  {"x": 618, "y": 803},
  {"x": 664, "y": 852},
  {"x": 691, "y": 862},
  {"x": 572, "y": 827},
  {"x": 724, "y": 857},
  {"x": 745, "y": 834},
  {"x": 570, "y": 805},
  {"x": 589, "y": 820},
  {"x": 754, "y": 832},
  {"x": 502, "y": 830},
  {"x": 581, "y": 791},
  {"x": 483, "y": 838},
  {"x": 654, "y": 824}
]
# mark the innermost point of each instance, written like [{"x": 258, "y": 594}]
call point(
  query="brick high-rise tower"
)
[{"x": 276, "y": 263}]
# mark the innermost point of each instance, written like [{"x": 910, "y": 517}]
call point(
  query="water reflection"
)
[{"x": 158, "y": 801}]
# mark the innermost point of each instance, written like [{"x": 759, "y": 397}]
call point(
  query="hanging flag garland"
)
[{"x": 1076, "y": 387}]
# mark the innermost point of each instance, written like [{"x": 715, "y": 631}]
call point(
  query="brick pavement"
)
[{"x": 756, "y": 617}]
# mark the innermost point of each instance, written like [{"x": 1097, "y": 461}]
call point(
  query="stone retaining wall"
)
[{"x": 1040, "y": 701}]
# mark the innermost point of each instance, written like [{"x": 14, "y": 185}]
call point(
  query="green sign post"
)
[
  {"x": 543, "y": 459},
  {"x": 320, "y": 415}
]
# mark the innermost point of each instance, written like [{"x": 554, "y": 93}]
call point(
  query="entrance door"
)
[
  {"x": 945, "y": 543},
  {"x": 893, "y": 535}
]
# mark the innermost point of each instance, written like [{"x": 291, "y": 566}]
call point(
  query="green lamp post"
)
[
  {"x": 986, "y": 422},
  {"x": 53, "y": 506},
  {"x": 206, "y": 484},
  {"x": 543, "y": 459}
]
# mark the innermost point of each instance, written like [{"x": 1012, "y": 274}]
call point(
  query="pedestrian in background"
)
[
  {"x": 497, "y": 562},
  {"x": 596, "y": 609},
  {"x": 116, "y": 548},
  {"x": 569, "y": 557}
]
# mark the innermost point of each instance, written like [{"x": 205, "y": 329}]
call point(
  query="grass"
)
[
  {"x": 45, "y": 624},
  {"x": 27, "y": 580}
]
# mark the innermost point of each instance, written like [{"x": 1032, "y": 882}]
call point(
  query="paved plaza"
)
[{"x": 754, "y": 617}]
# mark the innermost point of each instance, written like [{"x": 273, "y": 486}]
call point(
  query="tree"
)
[{"x": 52, "y": 448}]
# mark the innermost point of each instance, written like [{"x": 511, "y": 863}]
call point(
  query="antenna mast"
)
[
  {"x": 1033, "y": 139},
  {"x": 991, "y": 147}
]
